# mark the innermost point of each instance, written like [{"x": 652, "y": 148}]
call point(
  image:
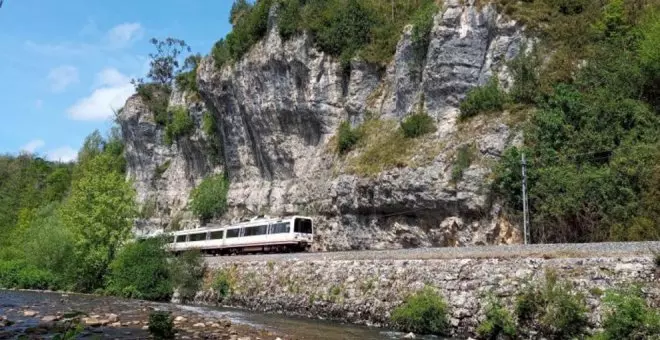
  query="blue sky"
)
[{"x": 64, "y": 65}]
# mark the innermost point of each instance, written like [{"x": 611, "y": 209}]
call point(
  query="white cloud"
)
[
  {"x": 33, "y": 146},
  {"x": 111, "y": 77},
  {"x": 61, "y": 77},
  {"x": 114, "y": 88},
  {"x": 63, "y": 49},
  {"x": 124, "y": 34},
  {"x": 38, "y": 104},
  {"x": 64, "y": 154}
]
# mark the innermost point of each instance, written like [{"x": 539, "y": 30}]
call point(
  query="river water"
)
[{"x": 14, "y": 303}]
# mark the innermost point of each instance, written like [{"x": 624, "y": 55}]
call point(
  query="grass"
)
[
  {"x": 498, "y": 322},
  {"x": 464, "y": 158},
  {"x": 383, "y": 146}
]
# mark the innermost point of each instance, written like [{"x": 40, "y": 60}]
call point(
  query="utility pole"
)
[{"x": 524, "y": 198}]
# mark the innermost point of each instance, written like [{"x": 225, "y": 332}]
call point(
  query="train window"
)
[
  {"x": 216, "y": 235},
  {"x": 303, "y": 226},
  {"x": 280, "y": 228},
  {"x": 181, "y": 238},
  {"x": 255, "y": 231},
  {"x": 197, "y": 237},
  {"x": 231, "y": 233}
]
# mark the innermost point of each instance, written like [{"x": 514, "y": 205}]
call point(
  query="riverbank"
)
[
  {"x": 40, "y": 315},
  {"x": 361, "y": 288}
]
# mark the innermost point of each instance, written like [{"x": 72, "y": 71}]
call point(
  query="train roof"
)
[{"x": 257, "y": 221}]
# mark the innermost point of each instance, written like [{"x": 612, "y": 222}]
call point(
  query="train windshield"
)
[{"x": 303, "y": 226}]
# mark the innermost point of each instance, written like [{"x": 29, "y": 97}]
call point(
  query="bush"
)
[
  {"x": 526, "y": 79},
  {"x": 483, "y": 99},
  {"x": 553, "y": 309},
  {"x": 628, "y": 316},
  {"x": 186, "y": 80},
  {"x": 187, "y": 273},
  {"x": 347, "y": 138},
  {"x": 208, "y": 124},
  {"x": 424, "y": 312},
  {"x": 161, "y": 325},
  {"x": 223, "y": 284},
  {"x": 209, "y": 198},
  {"x": 18, "y": 274},
  {"x": 499, "y": 321},
  {"x": 180, "y": 125},
  {"x": 160, "y": 169},
  {"x": 156, "y": 97},
  {"x": 464, "y": 157},
  {"x": 421, "y": 33},
  {"x": 141, "y": 271},
  {"x": 417, "y": 125}
]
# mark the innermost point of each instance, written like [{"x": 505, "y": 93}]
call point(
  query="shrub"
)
[
  {"x": 421, "y": 33},
  {"x": 186, "y": 80},
  {"x": 161, "y": 325},
  {"x": 220, "y": 53},
  {"x": 554, "y": 309},
  {"x": 141, "y": 271},
  {"x": 424, "y": 312},
  {"x": 464, "y": 157},
  {"x": 526, "y": 79},
  {"x": 156, "y": 97},
  {"x": 347, "y": 138},
  {"x": 289, "y": 18},
  {"x": 223, "y": 284},
  {"x": 160, "y": 169},
  {"x": 18, "y": 274},
  {"x": 417, "y": 125},
  {"x": 187, "y": 273},
  {"x": 627, "y": 316},
  {"x": 483, "y": 99},
  {"x": 209, "y": 198},
  {"x": 208, "y": 124},
  {"x": 498, "y": 322},
  {"x": 180, "y": 125},
  {"x": 148, "y": 208}
]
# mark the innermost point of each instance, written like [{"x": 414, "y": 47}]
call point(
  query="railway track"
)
[{"x": 509, "y": 251}]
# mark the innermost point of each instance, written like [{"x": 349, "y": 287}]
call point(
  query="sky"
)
[{"x": 65, "y": 65}]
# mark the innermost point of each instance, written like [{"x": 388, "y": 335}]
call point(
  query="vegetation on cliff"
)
[
  {"x": 342, "y": 28},
  {"x": 591, "y": 139}
]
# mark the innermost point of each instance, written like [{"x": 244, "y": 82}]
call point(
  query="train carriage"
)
[{"x": 258, "y": 235}]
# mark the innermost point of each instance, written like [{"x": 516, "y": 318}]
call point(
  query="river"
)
[{"x": 133, "y": 315}]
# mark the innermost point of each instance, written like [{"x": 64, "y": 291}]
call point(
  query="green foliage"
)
[
  {"x": 164, "y": 63},
  {"x": 289, "y": 18},
  {"x": 424, "y": 312},
  {"x": 417, "y": 125},
  {"x": 250, "y": 24},
  {"x": 187, "y": 271},
  {"x": 593, "y": 144},
  {"x": 483, "y": 99},
  {"x": 627, "y": 316},
  {"x": 464, "y": 157},
  {"x": 141, "y": 271},
  {"x": 186, "y": 79},
  {"x": 156, "y": 97},
  {"x": 208, "y": 124},
  {"x": 160, "y": 169},
  {"x": 209, "y": 198},
  {"x": 161, "y": 325},
  {"x": 553, "y": 309},
  {"x": 99, "y": 213},
  {"x": 526, "y": 78},
  {"x": 180, "y": 125},
  {"x": 347, "y": 138},
  {"x": 421, "y": 33},
  {"x": 498, "y": 322},
  {"x": 223, "y": 284},
  {"x": 18, "y": 274}
]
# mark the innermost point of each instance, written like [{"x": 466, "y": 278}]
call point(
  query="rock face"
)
[{"x": 278, "y": 110}]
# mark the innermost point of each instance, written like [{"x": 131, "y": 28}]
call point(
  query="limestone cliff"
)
[{"x": 278, "y": 110}]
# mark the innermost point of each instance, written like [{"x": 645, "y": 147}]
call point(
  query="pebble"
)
[
  {"x": 180, "y": 319},
  {"x": 199, "y": 325},
  {"x": 50, "y": 318},
  {"x": 30, "y": 313},
  {"x": 410, "y": 335},
  {"x": 112, "y": 317},
  {"x": 144, "y": 328},
  {"x": 115, "y": 324}
]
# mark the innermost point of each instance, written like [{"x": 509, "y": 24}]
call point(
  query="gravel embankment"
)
[{"x": 511, "y": 251}]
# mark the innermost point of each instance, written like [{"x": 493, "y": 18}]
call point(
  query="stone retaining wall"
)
[{"x": 365, "y": 292}]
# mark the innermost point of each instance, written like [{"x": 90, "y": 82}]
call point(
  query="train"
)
[{"x": 259, "y": 235}]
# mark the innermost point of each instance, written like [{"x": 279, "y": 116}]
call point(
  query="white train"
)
[{"x": 258, "y": 235}]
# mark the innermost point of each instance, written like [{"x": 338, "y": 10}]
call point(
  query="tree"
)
[
  {"x": 164, "y": 64},
  {"x": 99, "y": 213}
]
